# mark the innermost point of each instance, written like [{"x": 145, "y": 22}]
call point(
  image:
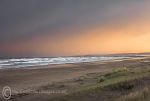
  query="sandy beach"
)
[{"x": 34, "y": 79}]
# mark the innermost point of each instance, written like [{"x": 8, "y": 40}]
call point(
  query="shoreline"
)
[
  {"x": 68, "y": 64},
  {"x": 21, "y": 79}
]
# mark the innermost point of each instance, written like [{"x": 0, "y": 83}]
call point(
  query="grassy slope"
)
[
  {"x": 140, "y": 95},
  {"x": 110, "y": 86}
]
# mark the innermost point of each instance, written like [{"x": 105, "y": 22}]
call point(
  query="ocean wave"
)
[{"x": 28, "y": 62}]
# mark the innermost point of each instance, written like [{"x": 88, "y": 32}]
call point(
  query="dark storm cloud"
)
[
  {"x": 27, "y": 17},
  {"x": 30, "y": 28},
  {"x": 21, "y": 19}
]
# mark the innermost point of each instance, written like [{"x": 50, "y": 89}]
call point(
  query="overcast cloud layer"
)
[{"x": 22, "y": 20}]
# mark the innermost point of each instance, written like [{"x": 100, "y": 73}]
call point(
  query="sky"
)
[{"x": 44, "y": 28}]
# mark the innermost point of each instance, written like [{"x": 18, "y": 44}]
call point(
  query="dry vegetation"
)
[
  {"x": 141, "y": 95},
  {"x": 130, "y": 84}
]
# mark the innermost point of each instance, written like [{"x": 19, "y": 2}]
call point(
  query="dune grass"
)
[
  {"x": 141, "y": 95},
  {"x": 118, "y": 79},
  {"x": 114, "y": 77}
]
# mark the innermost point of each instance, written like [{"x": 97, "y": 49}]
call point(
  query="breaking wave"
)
[{"x": 28, "y": 62}]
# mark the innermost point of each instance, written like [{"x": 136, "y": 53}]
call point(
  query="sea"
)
[{"x": 37, "y": 62}]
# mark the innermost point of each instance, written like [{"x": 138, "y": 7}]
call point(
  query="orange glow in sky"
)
[
  {"x": 75, "y": 28},
  {"x": 128, "y": 39}
]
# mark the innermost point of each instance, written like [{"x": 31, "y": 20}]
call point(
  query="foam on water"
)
[{"x": 28, "y": 62}]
